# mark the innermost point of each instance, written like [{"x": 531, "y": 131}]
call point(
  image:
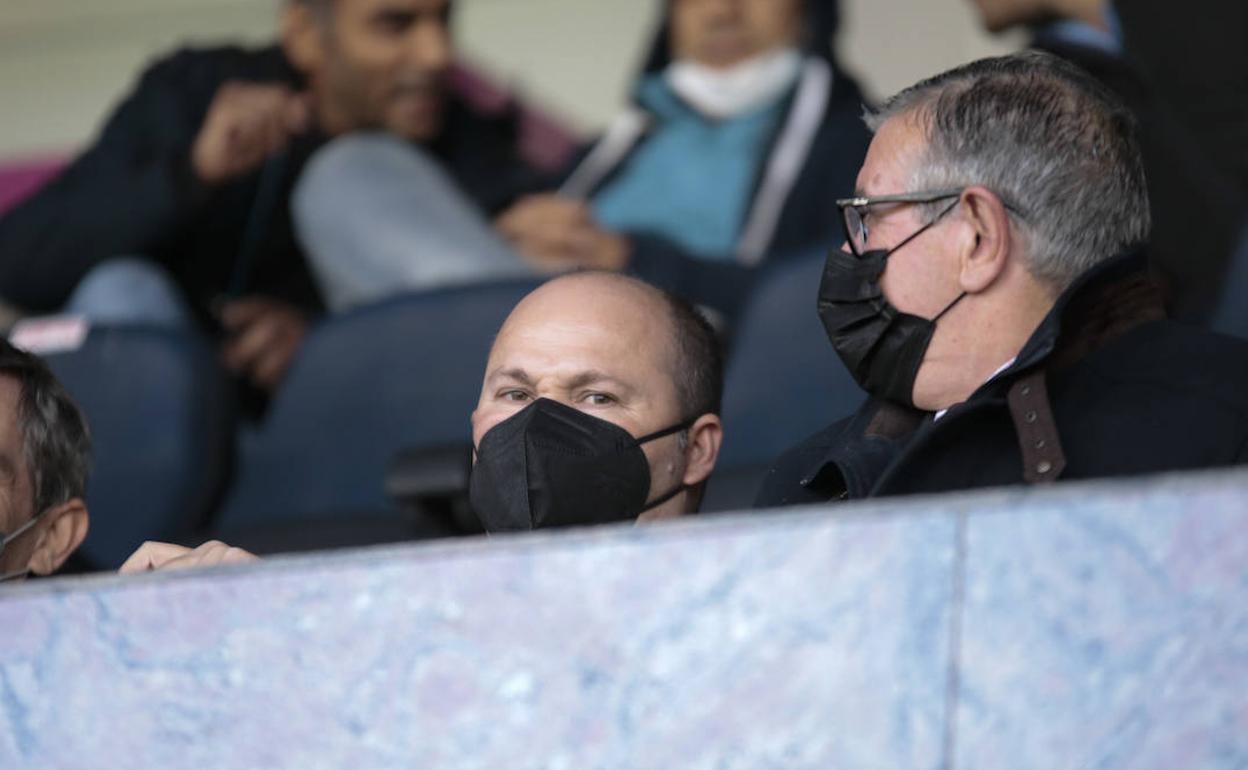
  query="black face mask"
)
[
  {"x": 882, "y": 346},
  {"x": 550, "y": 465}
]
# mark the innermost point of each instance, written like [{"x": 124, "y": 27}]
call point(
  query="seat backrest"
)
[
  {"x": 1230, "y": 314},
  {"x": 158, "y": 408},
  {"x": 367, "y": 384},
  {"x": 783, "y": 380}
]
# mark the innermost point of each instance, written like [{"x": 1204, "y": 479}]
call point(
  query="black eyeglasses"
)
[{"x": 854, "y": 212}]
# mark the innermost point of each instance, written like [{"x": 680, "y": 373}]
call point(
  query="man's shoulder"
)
[
  {"x": 1185, "y": 358},
  {"x": 209, "y": 66},
  {"x": 783, "y": 485}
]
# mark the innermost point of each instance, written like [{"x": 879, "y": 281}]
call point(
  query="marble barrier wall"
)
[{"x": 1095, "y": 625}]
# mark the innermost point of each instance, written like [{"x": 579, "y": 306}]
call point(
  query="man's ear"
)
[
  {"x": 303, "y": 37},
  {"x": 985, "y": 255},
  {"x": 61, "y": 532},
  {"x": 702, "y": 450}
]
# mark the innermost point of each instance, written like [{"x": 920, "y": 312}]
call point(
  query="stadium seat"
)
[
  {"x": 398, "y": 375},
  {"x": 1230, "y": 314},
  {"x": 159, "y": 412},
  {"x": 783, "y": 381}
]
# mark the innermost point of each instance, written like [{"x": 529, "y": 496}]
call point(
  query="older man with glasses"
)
[{"x": 993, "y": 301}]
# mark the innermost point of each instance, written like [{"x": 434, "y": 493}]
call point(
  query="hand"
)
[
  {"x": 265, "y": 334},
  {"x": 246, "y": 123},
  {"x": 557, "y": 234},
  {"x": 153, "y": 556}
]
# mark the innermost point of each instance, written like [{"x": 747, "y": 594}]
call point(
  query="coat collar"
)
[{"x": 1103, "y": 303}]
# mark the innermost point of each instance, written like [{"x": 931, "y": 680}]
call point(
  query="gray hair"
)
[
  {"x": 55, "y": 439},
  {"x": 1056, "y": 146}
]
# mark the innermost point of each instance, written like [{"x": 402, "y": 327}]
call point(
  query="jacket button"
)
[
  {"x": 1030, "y": 417},
  {"x": 1025, "y": 390},
  {"x": 1044, "y": 467},
  {"x": 1041, "y": 444}
]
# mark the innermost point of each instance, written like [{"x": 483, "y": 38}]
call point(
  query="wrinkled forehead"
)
[
  {"x": 566, "y": 330},
  {"x": 896, "y": 154}
]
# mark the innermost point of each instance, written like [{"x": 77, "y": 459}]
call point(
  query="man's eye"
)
[
  {"x": 515, "y": 395},
  {"x": 600, "y": 399},
  {"x": 394, "y": 22}
]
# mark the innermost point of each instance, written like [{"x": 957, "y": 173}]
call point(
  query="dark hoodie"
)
[{"x": 811, "y": 159}]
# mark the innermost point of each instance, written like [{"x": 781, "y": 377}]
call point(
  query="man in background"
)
[
  {"x": 741, "y": 129},
  {"x": 191, "y": 178},
  {"x": 44, "y": 457}
]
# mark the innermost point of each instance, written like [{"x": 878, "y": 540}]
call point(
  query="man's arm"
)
[
  {"x": 120, "y": 197},
  {"x": 177, "y": 136},
  {"x": 556, "y": 234}
]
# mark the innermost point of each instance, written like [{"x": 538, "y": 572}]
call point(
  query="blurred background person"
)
[
  {"x": 741, "y": 128},
  {"x": 1193, "y": 115},
  {"x": 189, "y": 181}
]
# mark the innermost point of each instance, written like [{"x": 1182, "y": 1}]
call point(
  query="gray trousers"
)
[{"x": 377, "y": 217}]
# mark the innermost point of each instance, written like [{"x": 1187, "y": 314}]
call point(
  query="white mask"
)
[{"x": 720, "y": 93}]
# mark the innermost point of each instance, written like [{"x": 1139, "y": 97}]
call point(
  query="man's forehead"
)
[
  {"x": 893, "y": 156},
  {"x": 615, "y": 329}
]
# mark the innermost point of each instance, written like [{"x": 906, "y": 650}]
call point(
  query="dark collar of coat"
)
[{"x": 1102, "y": 304}]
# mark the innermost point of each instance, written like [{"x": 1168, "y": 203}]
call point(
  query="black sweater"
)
[{"x": 133, "y": 193}]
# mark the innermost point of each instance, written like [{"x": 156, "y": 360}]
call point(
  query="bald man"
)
[{"x": 600, "y": 403}]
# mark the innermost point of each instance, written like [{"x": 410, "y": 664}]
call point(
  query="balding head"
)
[{"x": 616, "y": 348}]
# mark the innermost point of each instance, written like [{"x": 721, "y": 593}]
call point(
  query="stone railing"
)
[{"x": 1098, "y": 625}]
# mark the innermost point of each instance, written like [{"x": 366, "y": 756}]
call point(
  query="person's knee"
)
[
  {"x": 128, "y": 290},
  {"x": 360, "y": 162}
]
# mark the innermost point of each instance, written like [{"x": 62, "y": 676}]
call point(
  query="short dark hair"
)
[
  {"x": 699, "y": 364},
  {"x": 55, "y": 438}
]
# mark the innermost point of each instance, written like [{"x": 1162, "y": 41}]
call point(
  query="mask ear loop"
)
[
  {"x": 948, "y": 307},
  {"x": 18, "y": 575},
  {"x": 9, "y": 538},
  {"x": 924, "y": 228},
  {"x": 663, "y": 498},
  {"x": 935, "y": 219}
]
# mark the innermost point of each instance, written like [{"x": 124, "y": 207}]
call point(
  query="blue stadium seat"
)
[
  {"x": 159, "y": 411},
  {"x": 1230, "y": 315},
  {"x": 400, "y": 374},
  {"x": 783, "y": 381}
]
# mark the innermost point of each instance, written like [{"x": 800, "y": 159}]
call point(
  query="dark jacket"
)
[
  {"x": 1104, "y": 387},
  {"x": 133, "y": 193},
  {"x": 792, "y": 205}
]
